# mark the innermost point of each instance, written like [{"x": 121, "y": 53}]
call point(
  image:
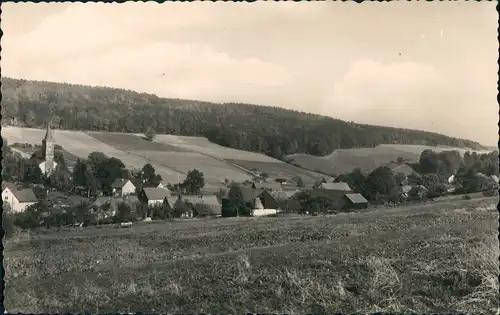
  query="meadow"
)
[
  {"x": 367, "y": 159},
  {"x": 435, "y": 257},
  {"x": 280, "y": 170}
]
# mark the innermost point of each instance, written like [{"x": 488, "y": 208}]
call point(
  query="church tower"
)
[{"x": 48, "y": 150}]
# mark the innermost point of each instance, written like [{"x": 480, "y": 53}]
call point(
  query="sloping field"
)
[
  {"x": 213, "y": 170},
  {"x": 81, "y": 145},
  {"x": 343, "y": 161},
  {"x": 280, "y": 170},
  {"x": 177, "y": 157},
  {"x": 417, "y": 149},
  {"x": 434, "y": 258},
  {"x": 202, "y": 145}
]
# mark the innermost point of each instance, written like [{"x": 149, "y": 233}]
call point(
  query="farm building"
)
[
  {"x": 354, "y": 201},
  {"x": 332, "y": 191},
  {"x": 153, "y": 196},
  {"x": 287, "y": 201},
  {"x": 18, "y": 199},
  {"x": 268, "y": 186},
  {"x": 250, "y": 195},
  {"x": 397, "y": 168},
  {"x": 110, "y": 204},
  {"x": 122, "y": 187},
  {"x": 200, "y": 205}
]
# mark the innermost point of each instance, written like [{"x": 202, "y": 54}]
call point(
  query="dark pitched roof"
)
[
  {"x": 25, "y": 195},
  {"x": 356, "y": 198},
  {"x": 335, "y": 186},
  {"x": 154, "y": 193},
  {"x": 119, "y": 183},
  {"x": 284, "y": 195}
]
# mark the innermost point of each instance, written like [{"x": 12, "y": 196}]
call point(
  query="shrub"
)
[{"x": 9, "y": 228}]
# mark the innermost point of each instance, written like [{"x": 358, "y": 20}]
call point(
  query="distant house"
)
[
  {"x": 397, "y": 168},
  {"x": 332, "y": 191},
  {"x": 18, "y": 199},
  {"x": 354, "y": 201},
  {"x": 274, "y": 186},
  {"x": 260, "y": 200},
  {"x": 160, "y": 185},
  {"x": 203, "y": 205},
  {"x": 109, "y": 205},
  {"x": 287, "y": 201},
  {"x": 153, "y": 195},
  {"x": 341, "y": 186},
  {"x": 122, "y": 187}
]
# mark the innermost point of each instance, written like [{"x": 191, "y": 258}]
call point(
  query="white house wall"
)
[{"x": 264, "y": 212}]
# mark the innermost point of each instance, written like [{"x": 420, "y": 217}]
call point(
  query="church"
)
[{"x": 48, "y": 165}]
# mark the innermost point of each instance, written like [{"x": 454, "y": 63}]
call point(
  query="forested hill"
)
[{"x": 271, "y": 130}]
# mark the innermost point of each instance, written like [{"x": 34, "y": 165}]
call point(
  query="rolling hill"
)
[
  {"x": 172, "y": 156},
  {"x": 223, "y": 140},
  {"x": 276, "y": 132},
  {"x": 367, "y": 159}
]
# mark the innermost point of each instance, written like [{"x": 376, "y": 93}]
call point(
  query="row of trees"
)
[
  {"x": 471, "y": 175},
  {"x": 270, "y": 130}
]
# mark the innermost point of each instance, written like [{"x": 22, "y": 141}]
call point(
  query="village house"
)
[
  {"x": 260, "y": 200},
  {"x": 354, "y": 201},
  {"x": 332, "y": 191},
  {"x": 197, "y": 205},
  {"x": 153, "y": 196},
  {"x": 18, "y": 199},
  {"x": 286, "y": 200},
  {"x": 122, "y": 187}
]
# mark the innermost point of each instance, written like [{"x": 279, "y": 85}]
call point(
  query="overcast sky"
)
[{"x": 423, "y": 65}]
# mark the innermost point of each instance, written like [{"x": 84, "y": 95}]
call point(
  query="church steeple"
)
[
  {"x": 48, "y": 144},
  {"x": 49, "y": 137}
]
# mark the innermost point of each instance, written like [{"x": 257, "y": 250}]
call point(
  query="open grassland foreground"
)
[{"x": 439, "y": 257}]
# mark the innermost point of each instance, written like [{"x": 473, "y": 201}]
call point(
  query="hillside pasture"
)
[
  {"x": 178, "y": 158},
  {"x": 132, "y": 142},
  {"x": 280, "y": 170},
  {"x": 202, "y": 145},
  {"x": 367, "y": 159},
  {"x": 81, "y": 145},
  {"x": 439, "y": 257},
  {"x": 213, "y": 170}
]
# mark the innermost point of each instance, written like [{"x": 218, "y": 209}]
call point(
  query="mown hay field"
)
[
  {"x": 178, "y": 158},
  {"x": 367, "y": 159},
  {"x": 439, "y": 257},
  {"x": 202, "y": 145},
  {"x": 280, "y": 170}
]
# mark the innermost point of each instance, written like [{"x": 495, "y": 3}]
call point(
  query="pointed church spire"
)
[{"x": 48, "y": 134}]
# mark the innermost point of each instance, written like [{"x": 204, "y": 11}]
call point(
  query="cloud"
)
[
  {"x": 408, "y": 95},
  {"x": 86, "y": 45}
]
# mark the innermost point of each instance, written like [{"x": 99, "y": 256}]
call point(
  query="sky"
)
[{"x": 420, "y": 65}]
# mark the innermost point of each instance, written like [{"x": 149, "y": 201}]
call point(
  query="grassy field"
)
[
  {"x": 440, "y": 257},
  {"x": 202, "y": 145},
  {"x": 342, "y": 161},
  {"x": 81, "y": 145},
  {"x": 171, "y": 155},
  {"x": 280, "y": 170}
]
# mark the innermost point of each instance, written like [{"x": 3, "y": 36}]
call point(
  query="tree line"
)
[{"x": 270, "y": 130}]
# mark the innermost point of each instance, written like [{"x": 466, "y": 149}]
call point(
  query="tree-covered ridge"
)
[{"x": 270, "y": 130}]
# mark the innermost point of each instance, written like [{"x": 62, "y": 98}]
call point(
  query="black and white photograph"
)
[{"x": 265, "y": 157}]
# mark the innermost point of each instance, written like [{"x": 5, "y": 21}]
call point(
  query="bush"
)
[{"x": 9, "y": 228}]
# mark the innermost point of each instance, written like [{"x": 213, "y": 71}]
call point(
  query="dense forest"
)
[{"x": 270, "y": 130}]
